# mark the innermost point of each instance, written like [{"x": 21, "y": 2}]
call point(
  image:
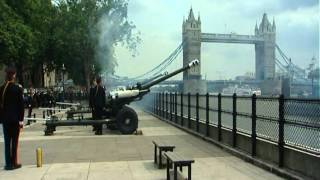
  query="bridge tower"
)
[
  {"x": 265, "y": 51},
  {"x": 191, "y": 36}
]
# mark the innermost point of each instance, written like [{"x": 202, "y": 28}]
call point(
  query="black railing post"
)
[
  {"x": 161, "y": 104},
  {"x": 175, "y": 107},
  {"x": 157, "y": 104},
  {"x": 181, "y": 109},
  {"x": 281, "y": 130},
  {"x": 170, "y": 106},
  {"x": 167, "y": 115},
  {"x": 197, "y": 111},
  {"x": 189, "y": 112},
  {"x": 253, "y": 123},
  {"x": 162, "y": 107},
  {"x": 234, "y": 120},
  {"x": 207, "y": 114},
  {"x": 154, "y": 103},
  {"x": 219, "y": 117}
]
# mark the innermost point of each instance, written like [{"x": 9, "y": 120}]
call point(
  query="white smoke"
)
[{"x": 112, "y": 29}]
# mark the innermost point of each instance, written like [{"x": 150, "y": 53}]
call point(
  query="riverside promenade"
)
[{"x": 76, "y": 153}]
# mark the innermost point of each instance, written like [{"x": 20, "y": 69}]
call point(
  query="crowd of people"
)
[{"x": 48, "y": 97}]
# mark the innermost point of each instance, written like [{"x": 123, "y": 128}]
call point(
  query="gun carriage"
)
[{"x": 117, "y": 115}]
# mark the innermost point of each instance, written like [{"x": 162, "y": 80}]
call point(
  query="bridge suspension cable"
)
[
  {"x": 156, "y": 71},
  {"x": 163, "y": 65},
  {"x": 288, "y": 67}
]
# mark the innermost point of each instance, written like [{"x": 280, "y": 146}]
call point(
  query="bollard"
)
[{"x": 39, "y": 157}]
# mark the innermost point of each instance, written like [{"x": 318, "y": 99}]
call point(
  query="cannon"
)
[{"x": 117, "y": 113}]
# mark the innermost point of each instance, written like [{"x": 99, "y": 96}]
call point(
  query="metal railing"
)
[{"x": 288, "y": 122}]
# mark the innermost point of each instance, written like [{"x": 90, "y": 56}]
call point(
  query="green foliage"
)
[
  {"x": 16, "y": 38},
  {"x": 77, "y": 33}
]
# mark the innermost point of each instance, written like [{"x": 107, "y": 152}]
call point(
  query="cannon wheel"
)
[{"x": 127, "y": 120}]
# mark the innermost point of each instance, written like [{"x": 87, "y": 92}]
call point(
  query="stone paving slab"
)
[
  {"x": 204, "y": 168},
  {"x": 76, "y": 153}
]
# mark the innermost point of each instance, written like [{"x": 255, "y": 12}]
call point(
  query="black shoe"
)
[
  {"x": 8, "y": 168},
  {"x": 17, "y": 166}
]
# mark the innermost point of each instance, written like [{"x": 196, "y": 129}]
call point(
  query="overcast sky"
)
[{"x": 159, "y": 22}]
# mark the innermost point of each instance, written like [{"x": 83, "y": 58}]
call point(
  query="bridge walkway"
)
[{"x": 75, "y": 153}]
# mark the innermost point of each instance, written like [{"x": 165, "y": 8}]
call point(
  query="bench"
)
[
  {"x": 177, "y": 160},
  {"x": 163, "y": 147}
]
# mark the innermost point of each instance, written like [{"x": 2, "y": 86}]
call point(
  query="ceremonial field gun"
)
[{"x": 117, "y": 115}]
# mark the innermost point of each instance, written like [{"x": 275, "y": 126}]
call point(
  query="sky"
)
[{"x": 160, "y": 25}]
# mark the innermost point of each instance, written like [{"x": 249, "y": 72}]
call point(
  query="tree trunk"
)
[
  {"x": 19, "y": 75},
  {"x": 37, "y": 76},
  {"x": 87, "y": 73}
]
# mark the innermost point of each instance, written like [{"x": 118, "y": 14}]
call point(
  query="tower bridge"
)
[
  {"x": 231, "y": 38},
  {"x": 264, "y": 39}
]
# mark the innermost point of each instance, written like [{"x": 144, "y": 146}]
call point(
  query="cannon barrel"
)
[
  {"x": 126, "y": 96},
  {"x": 152, "y": 83}
]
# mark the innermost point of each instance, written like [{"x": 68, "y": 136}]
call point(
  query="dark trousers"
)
[
  {"x": 98, "y": 111},
  {"x": 11, "y": 140},
  {"x": 98, "y": 115}
]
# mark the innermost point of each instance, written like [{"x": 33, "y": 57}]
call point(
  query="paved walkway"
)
[{"x": 75, "y": 153}]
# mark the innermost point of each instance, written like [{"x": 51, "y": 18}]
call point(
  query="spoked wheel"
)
[{"x": 127, "y": 120}]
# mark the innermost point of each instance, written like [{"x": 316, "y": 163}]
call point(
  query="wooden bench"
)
[
  {"x": 177, "y": 160},
  {"x": 163, "y": 147}
]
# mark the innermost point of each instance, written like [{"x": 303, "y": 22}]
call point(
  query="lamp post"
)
[{"x": 63, "y": 71}]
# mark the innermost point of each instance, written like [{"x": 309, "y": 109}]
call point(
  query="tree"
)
[
  {"x": 77, "y": 33},
  {"x": 16, "y": 39},
  {"x": 87, "y": 33}
]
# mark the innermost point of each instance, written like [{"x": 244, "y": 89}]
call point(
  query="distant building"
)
[
  {"x": 246, "y": 76},
  {"x": 49, "y": 77},
  {"x": 55, "y": 77}
]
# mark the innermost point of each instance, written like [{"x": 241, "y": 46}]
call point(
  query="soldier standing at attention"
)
[
  {"x": 91, "y": 98},
  {"x": 98, "y": 102},
  {"x": 11, "y": 116}
]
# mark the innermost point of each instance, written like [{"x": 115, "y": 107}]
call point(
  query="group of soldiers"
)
[{"x": 36, "y": 98}]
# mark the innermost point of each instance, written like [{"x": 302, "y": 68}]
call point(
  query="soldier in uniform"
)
[
  {"x": 91, "y": 98},
  {"x": 11, "y": 115},
  {"x": 98, "y": 102}
]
